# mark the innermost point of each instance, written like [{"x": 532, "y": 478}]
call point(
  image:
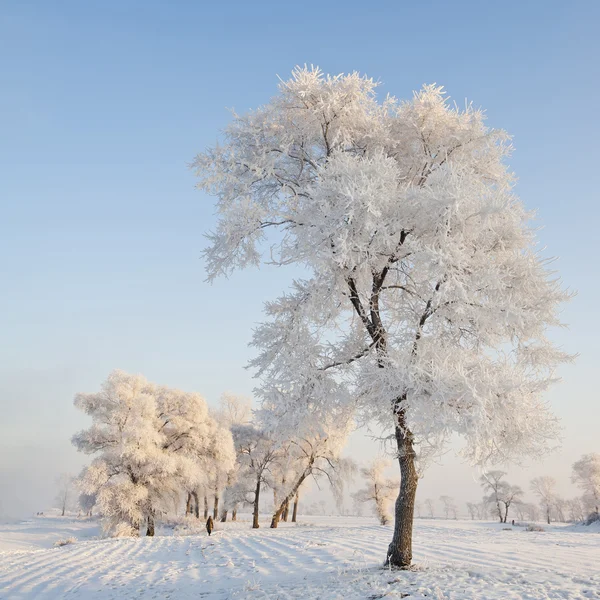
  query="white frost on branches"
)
[
  {"x": 378, "y": 489},
  {"x": 586, "y": 474},
  {"x": 428, "y": 302}
]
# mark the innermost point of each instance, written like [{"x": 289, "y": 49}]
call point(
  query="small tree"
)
[
  {"x": 586, "y": 474},
  {"x": 315, "y": 451},
  {"x": 500, "y": 493},
  {"x": 378, "y": 489},
  {"x": 234, "y": 410},
  {"x": 449, "y": 506},
  {"x": 87, "y": 503},
  {"x": 510, "y": 494},
  {"x": 576, "y": 510},
  {"x": 560, "y": 508},
  {"x": 256, "y": 452},
  {"x": 472, "y": 510},
  {"x": 493, "y": 484},
  {"x": 430, "y": 506},
  {"x": 66, "y": 492},
  {"x": 544, "y": 488}
]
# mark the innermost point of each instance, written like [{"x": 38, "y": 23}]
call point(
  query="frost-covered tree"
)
[
  {"x": 430, "y": 507},
  {"x": 234, "y": 410},
  {"x": 532, "y": 511},
  {"x": 449, "y": 506},
  {"x": 511, "y": 495},
  {"x": 545, "y": 489},
  {"x": 586, "y": 474},
  {"x": 472, "y": 510},
  {"x": 311, "y": 448},
  {"x": 150, "y": 443},
  {"x": 378, "y": 489},
  {"x": 560, "y": 509},
  {"x": 65, "y": 497},
  {"x": 87, "y": 503},
  {"x": 575, "y": 506},
  {"x": 427, "y": 303},
  {"x": 256, "y": 453},
  {"x": 501, "y": 494},
  {"x": 195, "y": 435},
  {"x": 493, "y": 484}
]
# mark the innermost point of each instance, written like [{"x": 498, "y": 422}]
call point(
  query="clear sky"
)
[{"x": 104, "y": 103}]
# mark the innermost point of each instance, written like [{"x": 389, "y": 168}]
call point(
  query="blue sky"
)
[{"x": 104, "y": 104}]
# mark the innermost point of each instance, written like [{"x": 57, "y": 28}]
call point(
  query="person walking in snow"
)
[{"x": 210, "y": 525}]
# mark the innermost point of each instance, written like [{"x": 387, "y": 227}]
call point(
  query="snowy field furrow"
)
[{"x": 455, "y": 560}]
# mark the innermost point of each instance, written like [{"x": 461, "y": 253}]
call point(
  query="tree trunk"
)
[
  {"x": 400, "y": 549},
  {"x": 295, "y": 511},
  {"x": 150, "y": 529},
  {"x": 292, "y": 493},
  {"x": 286, "y": 511},
  {"x": 216, "y": 508},
  {"x": 188, "y": 505},
  {"x": 205, "y": 506},
  {"x": 234, "y": 514},
  {"x": 63, "y": 511},
  {"x": 276, "y": 518},
  {"x": 196, "y": 505},
  {"x": 224, "y": 515},
  {"x": 255, "y": 524}
]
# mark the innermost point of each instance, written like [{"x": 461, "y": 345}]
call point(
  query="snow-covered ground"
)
[{"x": 322, "y": 557}]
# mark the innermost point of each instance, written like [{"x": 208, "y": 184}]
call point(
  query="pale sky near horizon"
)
[{"x": 104, "y": 104}]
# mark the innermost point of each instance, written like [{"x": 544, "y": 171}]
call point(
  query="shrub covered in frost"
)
[{"x": 65, "y": 542}]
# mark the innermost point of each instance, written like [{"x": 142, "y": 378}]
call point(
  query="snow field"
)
[{"x": 454, "y": 560}]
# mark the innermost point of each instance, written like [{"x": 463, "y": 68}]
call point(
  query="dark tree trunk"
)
[
  {"x": 63, "y": 511},
  {"x": 196, "y": 505},
  {"x": 295, "y": 510},
  {"x": 188, "y": 505},
  {"x": 255, "y": 524},
  {"x": 150, "y": 529},
  {"x": 293, "y": 492},
  {"x": 205, "y": 507},
  {"x": 498, "y": 509},
  {"x": 276, "y": 518},
  {"x": 286, "y": 511},
  {"x": 224, "y": 516},
  {"x": 234, "y": 514},
  {"x": 400, "y": 550},
  {"x": 216, "y": 508}
]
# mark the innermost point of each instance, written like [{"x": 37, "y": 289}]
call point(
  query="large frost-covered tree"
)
[{"x": 426, "y": 302}]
